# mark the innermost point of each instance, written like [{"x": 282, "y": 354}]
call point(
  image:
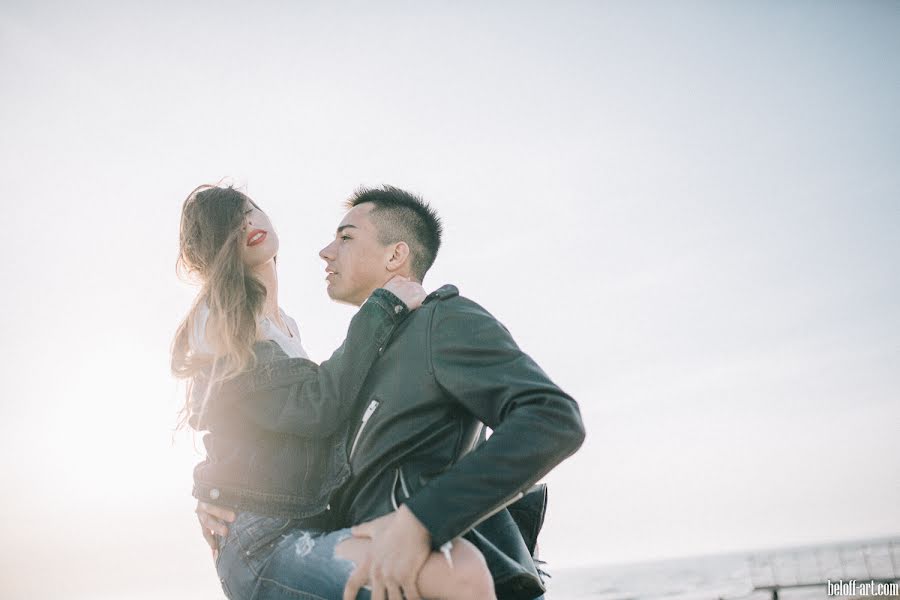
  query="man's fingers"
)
[
  {"x": 393, "y": 590},
  {"x": 411, "y": 590},
  {"x": 376, "y": 581},
  {"x": 370, "y": 529},
  {"x": 362, "y": 530},
  {"x": 212, "y": 517},
  {"x": 212, "y": 524},
  {"x": 209, "y": 537},
  {"x": 356, "y": 581},
  {"x": 219, "y": 512}
]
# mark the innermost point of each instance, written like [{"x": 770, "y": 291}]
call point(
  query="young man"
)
[{"x": 449, "y": 369}]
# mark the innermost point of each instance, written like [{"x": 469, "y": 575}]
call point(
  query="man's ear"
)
[{"x": 399, "y": 258}]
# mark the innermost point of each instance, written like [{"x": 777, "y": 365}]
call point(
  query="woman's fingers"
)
[{"x": 409, "y": 292}]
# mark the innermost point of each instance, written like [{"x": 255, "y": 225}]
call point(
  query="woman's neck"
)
[{"x": 268, "y": 275}]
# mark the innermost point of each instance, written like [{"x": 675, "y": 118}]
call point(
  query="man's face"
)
[{"x": 355, "y": 261}]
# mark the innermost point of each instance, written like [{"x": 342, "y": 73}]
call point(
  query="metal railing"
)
[{"x": 773, "y": 572}]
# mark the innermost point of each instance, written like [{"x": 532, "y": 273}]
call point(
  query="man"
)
[{"x": 449, "y": 369}]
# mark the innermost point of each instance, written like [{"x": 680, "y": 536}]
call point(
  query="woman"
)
[{"x": 277, "y": 458}]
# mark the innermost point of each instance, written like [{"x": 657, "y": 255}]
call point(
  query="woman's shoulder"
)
[{"x": 267, "y": 351}]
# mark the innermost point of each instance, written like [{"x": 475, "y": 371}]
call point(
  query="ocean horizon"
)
[{"x": 733, "y": 575}]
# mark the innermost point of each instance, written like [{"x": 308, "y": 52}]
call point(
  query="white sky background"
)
[{"x": 687, "y": 213}]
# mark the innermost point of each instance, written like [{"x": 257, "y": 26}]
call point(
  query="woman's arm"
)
[{"x": 296, "y": 396}]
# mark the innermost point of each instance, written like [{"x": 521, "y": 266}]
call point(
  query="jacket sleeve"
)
[
  {"x": 536, "y": 425},
  {"x": 296, "y": 396}
]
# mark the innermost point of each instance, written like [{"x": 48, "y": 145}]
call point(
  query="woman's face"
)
[{"x": 260, "y": 242}]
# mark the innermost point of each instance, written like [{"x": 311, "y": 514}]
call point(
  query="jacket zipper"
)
[
  {"x": 366, "y": 415},
  {"x": 403, "y": 482},
  {"x": 494, "y": 511},
  {"x": 398, "y": 476},
  {"x": 447, "y": 547},
  {"x": 394, "y": 502}
]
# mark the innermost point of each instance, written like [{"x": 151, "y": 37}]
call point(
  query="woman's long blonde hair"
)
[{"x": 212, "y": 219}]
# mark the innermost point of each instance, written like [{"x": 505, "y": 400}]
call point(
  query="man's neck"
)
[{"x": 383, "y": 283}]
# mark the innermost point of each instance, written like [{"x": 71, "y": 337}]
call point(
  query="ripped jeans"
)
[{"x": 275, "y": 558}]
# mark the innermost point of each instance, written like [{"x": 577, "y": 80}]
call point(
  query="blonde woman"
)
[{"x": 276, "y": 456}]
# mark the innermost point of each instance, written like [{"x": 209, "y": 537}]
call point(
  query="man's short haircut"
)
[{"x": 401, "y": 216}]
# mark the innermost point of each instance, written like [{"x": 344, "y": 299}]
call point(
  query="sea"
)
[{"x": 798, "y": 573}]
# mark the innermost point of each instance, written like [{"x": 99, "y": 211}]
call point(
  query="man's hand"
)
[
  {"x": 400, "y": 546},
  {"x": 212, "y": 521},
  {"x": 410, "y": 292}
]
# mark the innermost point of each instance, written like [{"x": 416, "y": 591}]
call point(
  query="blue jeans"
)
[{"x": 278, "y": 558}]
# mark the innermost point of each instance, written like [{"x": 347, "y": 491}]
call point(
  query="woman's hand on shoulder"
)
[{"x": 410, "y": 292}]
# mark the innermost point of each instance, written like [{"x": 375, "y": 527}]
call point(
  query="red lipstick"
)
[{"x": 255, "y": 237}]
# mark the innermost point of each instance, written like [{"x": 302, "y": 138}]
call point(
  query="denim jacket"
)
[{"x": 277, "y": 434}]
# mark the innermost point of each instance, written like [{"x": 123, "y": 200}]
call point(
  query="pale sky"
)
[{"x": 688, "y": 213}]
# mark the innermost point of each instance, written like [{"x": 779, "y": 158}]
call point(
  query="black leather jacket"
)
[
  {"x": 447, "y": 369},
  {"x": 277, "y": 435},
  {"x": 444, "y": 372}
]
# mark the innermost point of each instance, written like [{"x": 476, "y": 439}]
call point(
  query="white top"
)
[
  {"x": 269, "y": 331},
  {"x": 289, "y": 343}
]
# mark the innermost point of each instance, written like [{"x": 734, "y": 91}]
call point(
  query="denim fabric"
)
[
  {"x": 281, "y": 450},
  {"x": 278, "y": 558}
]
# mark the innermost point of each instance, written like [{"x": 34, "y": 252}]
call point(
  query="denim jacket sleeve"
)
[
  {"x": 536, "y": 425},
  {"x": 296, "y": 396}
]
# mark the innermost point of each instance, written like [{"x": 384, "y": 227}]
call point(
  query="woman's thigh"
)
[
  {"x": 465, "y": 575},
  {"x": 304, "y": 566},
  {"x": 246, "y": 550}
]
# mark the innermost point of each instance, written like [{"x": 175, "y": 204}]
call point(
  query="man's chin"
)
[{"x": 336, "y": 295}]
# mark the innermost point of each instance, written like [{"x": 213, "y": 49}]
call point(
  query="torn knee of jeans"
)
[{"x": 304, "y": 545}]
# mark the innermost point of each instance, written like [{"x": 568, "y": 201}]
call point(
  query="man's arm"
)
[
  {"x": 294, "y": 395},
  {"x": 536, "y": 425}
]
